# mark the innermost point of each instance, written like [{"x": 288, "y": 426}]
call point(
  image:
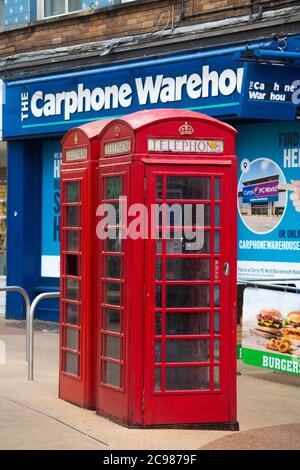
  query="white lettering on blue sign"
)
[{"x": 148, "y": 90}]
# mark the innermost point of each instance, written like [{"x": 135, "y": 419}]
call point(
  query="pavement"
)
[{"x": 33, "y": 417}]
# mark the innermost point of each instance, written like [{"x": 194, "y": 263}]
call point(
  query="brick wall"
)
[{"x": 141, "y": 16}]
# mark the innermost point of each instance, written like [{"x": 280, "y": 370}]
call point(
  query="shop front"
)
[{"x": 256, "y": 97}]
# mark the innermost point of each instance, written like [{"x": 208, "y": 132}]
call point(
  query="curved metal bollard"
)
[
  {"x": 27, "y": 304},
  {"x": 45, "y": 295}
]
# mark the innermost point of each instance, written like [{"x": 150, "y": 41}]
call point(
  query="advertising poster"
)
[
  {"x": 269, "y": 201},
  {"x": 50, "y": 208},
  {"x": 271, "y": 330}
]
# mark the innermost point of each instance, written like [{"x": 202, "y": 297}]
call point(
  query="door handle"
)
[{"x": 226, "y": 269}]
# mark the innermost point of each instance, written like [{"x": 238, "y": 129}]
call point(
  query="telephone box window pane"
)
[
  {"x": 184, "y": 296},
  {"x": 186, "y": 242},
  {"x": 158, "y": 324},
  {"x": 217, "y": 242},
  {"x": 158, "y": 269},
  {"x": 217, "y": 350},
  {"x": 217, "y": 377},
  {"x": 189, "y": 269},
  {"x": 113, "y": 318},
  {"x": 72, "y": 191},
  {"x": 188, "y": 187},
  {"x": 217, "y": 188},
  {"x": 194, "y": 350},
  {"x": 73, "y": 216},
  {"x": 217, "y": 323},
  {"x": 113, "y": 267},
  {"x": 113, "y": 187},
  {"x": 72, "y": 338},
  {"x": 113, "y": 293},
  {"x": 157, "y": 351},
  {"x": 217, "y": 215},
  {"x": 188, "y": 323},
  {"x": 157, "y": 379},
  {"x": 72, "y": 265},
  {"x": 159, "y": 187},
  {"x": 158, "y": 296},
  {"x": 112, "y": 347},
  {"x": 187, "y": 215},
  {"x": 72, "y": 289},
  {"x": 113, "y": 241},
  {"x": 217, "y": 296},
  {"x": 73, "y": 240},
  {"x": 112, "y": 374},
  {"x": 72, "y": 314},
  {"x": 187, "y": 378},
  {"x": 72, "y": 363}
]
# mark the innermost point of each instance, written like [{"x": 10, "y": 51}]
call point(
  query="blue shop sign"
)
[{"x": 218, "y": 86}]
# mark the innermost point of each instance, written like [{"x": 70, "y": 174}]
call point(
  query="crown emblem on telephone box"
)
[{"x": 186, "y": 129}]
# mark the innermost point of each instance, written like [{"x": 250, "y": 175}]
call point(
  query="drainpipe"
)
[{"x": 182, "y": 9}]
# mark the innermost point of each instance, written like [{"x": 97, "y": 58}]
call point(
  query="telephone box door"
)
[{"x": 189, "y": 356}]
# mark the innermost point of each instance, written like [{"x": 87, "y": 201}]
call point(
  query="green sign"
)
[{"x": 279, "y": 362}]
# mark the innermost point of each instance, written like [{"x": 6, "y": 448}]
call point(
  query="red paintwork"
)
[
  {"x": 81, "y": 390},
  {"x": 136, "y": 403}
]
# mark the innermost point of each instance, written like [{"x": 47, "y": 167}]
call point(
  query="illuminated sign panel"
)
[
  {"x": 188, "y": 146},
  {"x": 117, "y": 148},
  {"x": 76, "y": 154}
]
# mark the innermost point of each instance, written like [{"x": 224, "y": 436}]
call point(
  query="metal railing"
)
[
  {"x": 36, "y": 301},
  {"x": 27, "y": 304}
]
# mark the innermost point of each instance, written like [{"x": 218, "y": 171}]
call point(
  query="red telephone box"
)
[
  {"x": 166, "y": 302},
  {"x": 81, "y": 148}
]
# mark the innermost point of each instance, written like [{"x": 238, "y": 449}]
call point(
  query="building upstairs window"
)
[{"x": 61, "y": 7}]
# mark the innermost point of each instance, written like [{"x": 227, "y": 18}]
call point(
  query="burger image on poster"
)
[
  {"x": 262, "y": 198},
  {"x": 271, "y": 321}
]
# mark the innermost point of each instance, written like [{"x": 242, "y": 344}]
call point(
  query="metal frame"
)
[
  {"x": 45, "y": 295},
  {"x": 27, "y": 304}
]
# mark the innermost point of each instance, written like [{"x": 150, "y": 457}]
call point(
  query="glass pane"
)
[
  {"x": 73, "y": 216},
  {"x": 187, "y": 378},
  {"x": 54, "y": 7},
  {"x": 185, "y": 242},
  {"x": 113, "y": 267},
  {"x": 72, "y": 191},
  {"x": 217, "y": 322},
  {"x": 182, "y": 215},
  {"x": 217, "y": 377},
  {"x": 217, "y": 215},
  {"x": 187, "y": 269},
  {"x": 72, "y": 314},
  {"x": 158, "y": 324},
  {"x": 159, "y": 187},
  {"x": 73, "y": 240},
  {"x": 112, "y": 374},
  {"x": 217, "y": 187},
  {"x": 157, "y": 351},
  {"x": 188, "y": 187},
  {"x": 114, "y": 242},
  {"x": 72, "y": 338},
  {"x": 217, "y": 236},
  {"x": 113, "y": 320},
  {"x": 217, "y": 296},
  {"x": 112, "y": 347},
  {"x": 158, "y": 269},
  {"x": 72, "y": 265},
  {"x": 187, "y": 323},
  {"x": 217, "y": 350},
  {"x": 74, "y": 5},
  {"x": 194, "y": 350},
  {"x": 158, "y": 296},
  {"x": 157, "y": 379},
  {"x": 113, "y": 187},
  {"x": 72, "y": 289},
  {"x": 113, "y": 293},
  {"x": 187, "y": 296},
  {"x": 72, "y": 363}
]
